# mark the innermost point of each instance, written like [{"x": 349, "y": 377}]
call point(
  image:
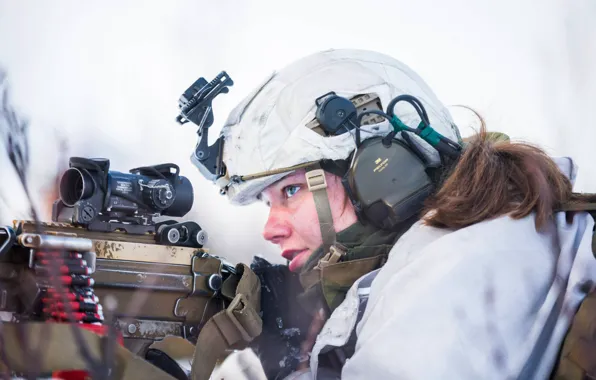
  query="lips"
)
[
  {"x": 297, "y": 258},
  {"x": 289, "y": 254}
]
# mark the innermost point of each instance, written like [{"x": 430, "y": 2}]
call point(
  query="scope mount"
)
[
  {"x": 196, "y": 106},
  {"x": 168, "y": 232}
]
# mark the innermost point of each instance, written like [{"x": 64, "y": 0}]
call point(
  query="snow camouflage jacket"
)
[{"x": 490, "y": 301}]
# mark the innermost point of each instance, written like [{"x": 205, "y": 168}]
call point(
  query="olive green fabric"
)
[
  {"x": 317, "y": 185},
  {"x": 57, "y": 347},
  {"x": 366, "y": 249},
  {"x": 231, "y": 328},
  {"x": 577, "y": 359},
  {"x": 336, "y": 279}
]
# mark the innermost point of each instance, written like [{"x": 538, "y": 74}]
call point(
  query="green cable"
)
[
  {"x": 398, "y": 125},
  {"x": 427, "y": 133}
]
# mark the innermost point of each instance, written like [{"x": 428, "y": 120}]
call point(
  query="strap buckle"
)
[
  {"x": 315, "y": 180},
  {"x": 332, "y": 257},
  {"x": 244, "y": 317}
]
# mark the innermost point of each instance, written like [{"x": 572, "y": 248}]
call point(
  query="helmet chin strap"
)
[{"x": 317, "y": 185}]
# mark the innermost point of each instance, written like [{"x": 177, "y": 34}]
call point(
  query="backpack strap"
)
[
  {"x": 576, "y": 357},
  {"x": 588, "y": 206},
  {"x": 578, "y": 206},
  {"x": 232, "y": 328}
]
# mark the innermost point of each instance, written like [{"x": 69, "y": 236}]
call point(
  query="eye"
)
[{"x": 290, "y": 190}]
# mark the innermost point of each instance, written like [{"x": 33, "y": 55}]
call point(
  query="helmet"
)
[{"x": 274, "y": 129}]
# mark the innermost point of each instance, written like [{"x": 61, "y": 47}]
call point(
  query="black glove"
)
[
  {"x": 285, "y": 322},
  {"x": 162, "y": 361}
]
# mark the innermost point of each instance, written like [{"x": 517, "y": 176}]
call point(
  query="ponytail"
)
[{"x": 495, "y": 177}]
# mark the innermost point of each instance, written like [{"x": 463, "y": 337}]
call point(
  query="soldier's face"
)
[{"x": 293, "y": 223}]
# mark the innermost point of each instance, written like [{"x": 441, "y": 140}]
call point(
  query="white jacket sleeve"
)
[{"x": 475, "y": 305}]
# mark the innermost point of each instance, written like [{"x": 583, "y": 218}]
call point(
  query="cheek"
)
[
  {"x": 305, "y": 223},
  {"x": 343, "y": 212}
]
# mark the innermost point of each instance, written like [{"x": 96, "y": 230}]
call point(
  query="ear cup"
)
[
  {"x": 387, "y": 183},
  {"x": 335, "y": 114}
]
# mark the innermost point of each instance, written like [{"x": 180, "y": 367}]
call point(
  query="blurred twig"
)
[{"x": 14, "y": 132}]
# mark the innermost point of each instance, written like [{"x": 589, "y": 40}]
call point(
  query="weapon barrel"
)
[{"x": 51, "y": 242}]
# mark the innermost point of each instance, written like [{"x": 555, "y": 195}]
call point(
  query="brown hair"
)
[{"x": 495, "y": 177}]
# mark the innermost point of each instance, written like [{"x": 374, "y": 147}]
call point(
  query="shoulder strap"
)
[
  {"x": 578, "y": 206},
  {"x": 231, "y": 328},
  {"x": 363, "y": 292},
  {"x": 575, "y": 360},
  {"x": 317, "y": 185},
  {"x": 588, "y": 206}
]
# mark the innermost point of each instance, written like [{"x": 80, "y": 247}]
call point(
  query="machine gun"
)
[
  {"x": 105, "y": 242},
  {"x": 105, "y": 247}
]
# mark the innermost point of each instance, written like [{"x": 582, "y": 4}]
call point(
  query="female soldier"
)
[{"x": 476, "y": 275}]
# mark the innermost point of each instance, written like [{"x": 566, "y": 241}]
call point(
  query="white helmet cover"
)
[{"x": 268, "y": 131}]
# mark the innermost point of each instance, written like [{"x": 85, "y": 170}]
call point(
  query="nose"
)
[{"x": 277, "y": 227}]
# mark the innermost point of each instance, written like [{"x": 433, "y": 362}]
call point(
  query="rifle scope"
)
[{"x": 94, "y": 191}]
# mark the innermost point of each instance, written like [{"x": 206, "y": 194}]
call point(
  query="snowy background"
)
[{"x": 103, "y": 78}]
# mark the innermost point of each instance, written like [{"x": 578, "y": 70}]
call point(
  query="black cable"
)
[
  {"x": 356, "y": 134},
  {"x": 444, "y": 145},
  {"x": 414, "y": 102}
]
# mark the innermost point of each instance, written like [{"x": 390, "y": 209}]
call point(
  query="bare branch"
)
[{"x": 14, "y": 132}]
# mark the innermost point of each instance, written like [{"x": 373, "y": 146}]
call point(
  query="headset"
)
[{"x": 387, "y": 179}]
